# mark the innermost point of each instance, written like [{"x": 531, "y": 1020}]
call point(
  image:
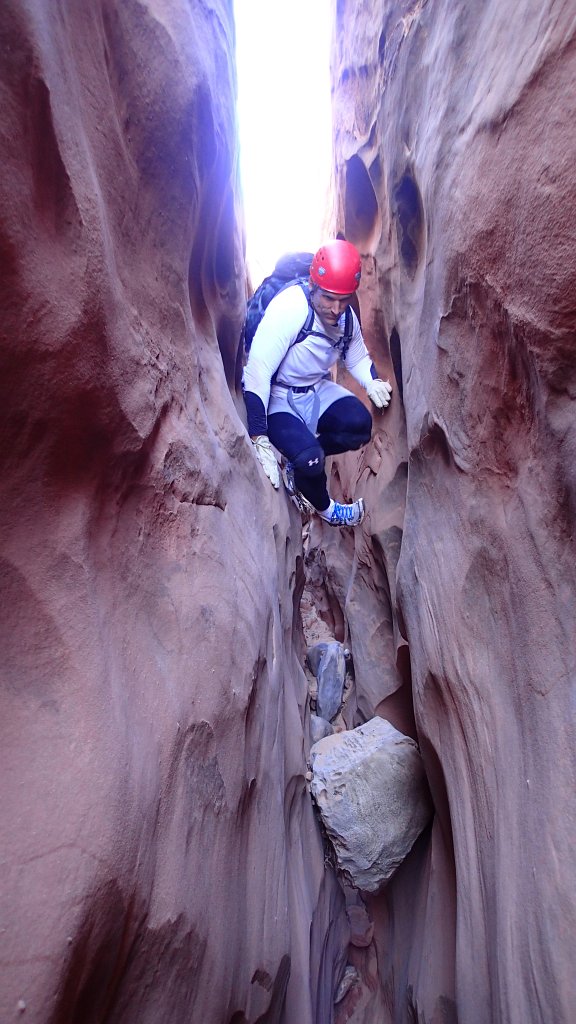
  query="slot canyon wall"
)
[
  {"x": 161, "y": 863},
  {"x": 454, "y": 175},
  {"x": 161, "y": 860}
]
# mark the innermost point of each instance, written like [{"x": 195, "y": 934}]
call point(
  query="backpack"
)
[{"x": 291, "y": 269}]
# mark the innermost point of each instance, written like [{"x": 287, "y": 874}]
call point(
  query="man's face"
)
[{"x": 329, "y": 306}]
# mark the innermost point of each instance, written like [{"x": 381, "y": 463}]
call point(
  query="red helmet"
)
[{"x": 336, "y": 267}]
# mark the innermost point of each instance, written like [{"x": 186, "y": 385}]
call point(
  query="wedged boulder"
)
[
  {"x": 361, "y": 925},
  {"x": 319, "y": 728},
  {"x": 328, "y": 662},
  {"x": 349, "y": 978},
  {"x": 371, "y": 790},
  {"x": 315, "y": 655}
]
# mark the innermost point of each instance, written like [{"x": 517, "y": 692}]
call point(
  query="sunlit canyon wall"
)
[
  {"x": 160, "y": 859},
  {"x": 455, "y": 156}
]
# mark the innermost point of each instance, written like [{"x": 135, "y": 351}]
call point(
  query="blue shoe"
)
[{"x": 345, "y": 515}]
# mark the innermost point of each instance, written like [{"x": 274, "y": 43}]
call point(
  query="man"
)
[{"x": 291, "y": 401}]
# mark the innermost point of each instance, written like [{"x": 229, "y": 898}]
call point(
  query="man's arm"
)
[
  {"x": 256, "y": 418},
  {"x": 276, "y": 332},
  {"x": 360, "y": 365}
]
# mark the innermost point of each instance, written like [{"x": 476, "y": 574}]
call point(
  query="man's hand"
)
[
  {"x": 267, "y": 459},
  {"x": 379, "y": 392}
]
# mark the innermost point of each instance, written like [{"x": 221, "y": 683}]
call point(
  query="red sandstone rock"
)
[
  {"x": 160, "y": 861},
  {"x": 455, "y": 154},
  {"x": 160, "y": 858}
]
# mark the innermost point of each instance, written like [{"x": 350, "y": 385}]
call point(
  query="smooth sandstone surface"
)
[
  {"x": 455, "y": 154},
  {"x": 160, "y": 859}
]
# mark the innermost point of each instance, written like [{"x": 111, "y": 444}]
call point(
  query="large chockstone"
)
[{"x": 371, "y": 790}]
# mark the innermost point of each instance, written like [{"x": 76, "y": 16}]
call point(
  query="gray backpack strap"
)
[{"x": 306, "y": 328}]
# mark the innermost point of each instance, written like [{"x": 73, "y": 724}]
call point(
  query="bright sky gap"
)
[{"x": 285, "y": 125}]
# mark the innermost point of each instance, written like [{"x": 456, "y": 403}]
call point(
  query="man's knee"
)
[
  {"x": 310, "y": 462},
  {"x": 362, "y": 426},
  {"x": 358, "y": 423},
  {"x": 348, "y": 420}
]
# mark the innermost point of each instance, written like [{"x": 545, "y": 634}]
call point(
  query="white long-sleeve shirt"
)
[{"x": 273, "y": 350}]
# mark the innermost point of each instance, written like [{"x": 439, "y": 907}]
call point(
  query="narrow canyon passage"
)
[{"x": 168, "y": 855}]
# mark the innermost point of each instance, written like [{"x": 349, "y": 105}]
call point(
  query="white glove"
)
[
  {"x": 267, "y": 459},
  {"x": 379, "y": 392}
]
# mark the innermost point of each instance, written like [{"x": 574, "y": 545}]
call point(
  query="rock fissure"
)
[{"x": 358, "y": 774}]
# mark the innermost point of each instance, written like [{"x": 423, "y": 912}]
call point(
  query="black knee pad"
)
[
  {"x": 310, "y": 462},
  {"x": 362, "y": 426},
  {"x": 362, "y": 437}
]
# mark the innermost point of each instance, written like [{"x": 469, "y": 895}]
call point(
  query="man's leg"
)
[
  {"x": 291, "y": 437},
  {"x": 345, "y": 426}
]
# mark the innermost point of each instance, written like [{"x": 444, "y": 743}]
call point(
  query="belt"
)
[
  {"x": 302, "y": 390},
  {"x": 297, "y": 391}
]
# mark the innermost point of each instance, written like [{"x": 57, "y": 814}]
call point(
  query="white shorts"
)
[{"x": 308, "y": 405}]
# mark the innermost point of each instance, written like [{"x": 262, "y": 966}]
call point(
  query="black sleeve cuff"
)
[
  {"x": 256, "y": 414},
  {"x": 373, "y": 372}
]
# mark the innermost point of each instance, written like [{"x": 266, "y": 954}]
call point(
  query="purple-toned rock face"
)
[
  {"x": 160, "y": 858},
  {"x": 455, "y": 155},
  {"x": 161, "y": 861}
]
